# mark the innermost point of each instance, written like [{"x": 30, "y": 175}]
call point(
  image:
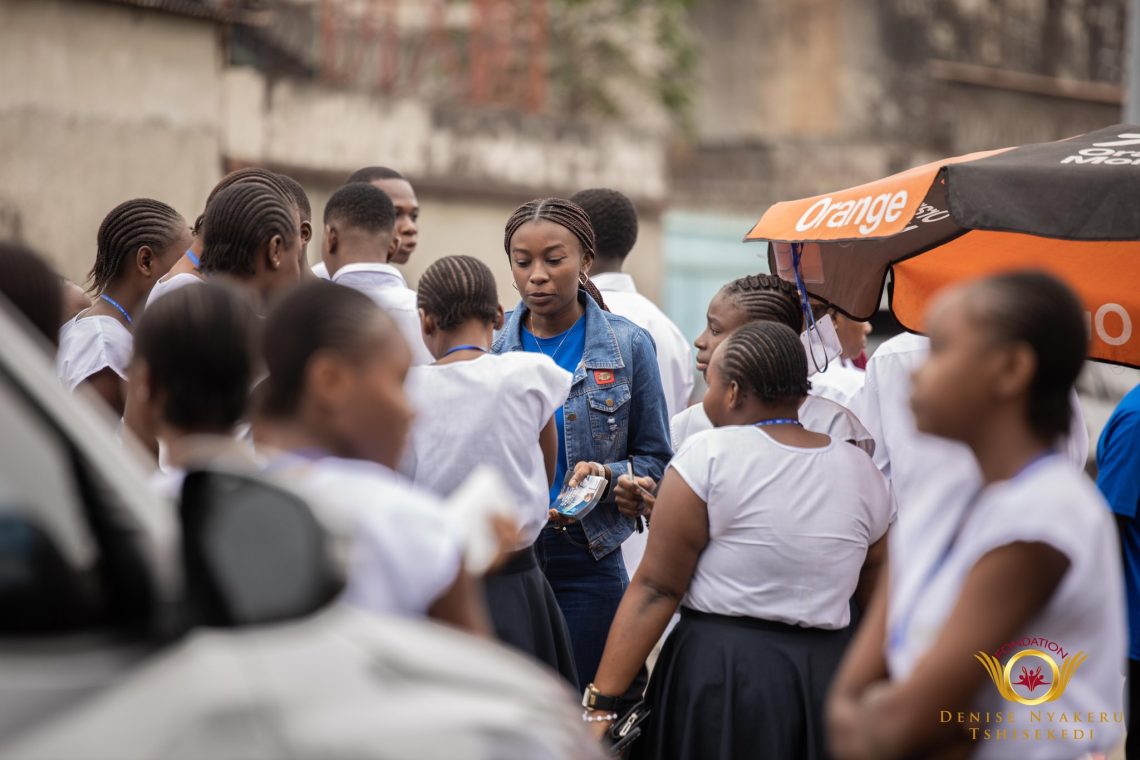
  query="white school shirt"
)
[
  {"x": 403, "y": 553},
  {"x": 385, "y": 285},
  {"x": 164, "y": 286},
  {"x": 787, "y": 542},
  {"x": 817, "y": 414},
  {"x": 840, "y": 382},
  {"x": 321, "y": 270},
  {"x": 674, "y": 354},
  {"x": 88, "y": 345},
  {"x": 487, "y": 411},
  {"x": 1048, "y": 503}
]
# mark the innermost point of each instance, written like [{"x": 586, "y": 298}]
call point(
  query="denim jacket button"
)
[
  {"x": 609, "y": 402},
  {"x": 571, "y": 417}
]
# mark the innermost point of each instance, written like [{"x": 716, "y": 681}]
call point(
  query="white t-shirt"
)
[
  {"x": 1047, "y": 503},
  {"x": 487, "y": 411},
  {"x": 403, "y": 552},
  {"x": 817, "y": 414},
  {"x": 169, "y": 285},
  {"x": 385, "y": 285},
  {"x": 88, "y": 345},
  {"x": 840, "y": 382},
  {"x": 787, "y": 542},
  {"x": 674, "y": 354},
  {"x": 321, "y": 270}
]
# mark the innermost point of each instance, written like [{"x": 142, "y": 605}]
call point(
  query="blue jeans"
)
[{"x": 588, "y": 591}]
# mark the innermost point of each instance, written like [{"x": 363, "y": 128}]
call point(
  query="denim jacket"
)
[{"x": 616, "y": 410}]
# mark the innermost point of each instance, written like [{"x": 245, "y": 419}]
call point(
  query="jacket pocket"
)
[{"x": 609, "y": 421}]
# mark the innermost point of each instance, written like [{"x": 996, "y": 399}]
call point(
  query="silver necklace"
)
[{"x": 538, "y": 341}]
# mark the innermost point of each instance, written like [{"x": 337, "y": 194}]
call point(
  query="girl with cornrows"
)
[
  {"x": 614, "y": 422},
  {"x": 763, "y": 568},
  {"x": 763, "y": 297},
  {"x": 188, "y": 269},
  {"x": 473, "y": 409},
  {"x": 137, "y": 243}
]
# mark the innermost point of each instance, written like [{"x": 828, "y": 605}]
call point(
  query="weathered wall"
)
[
  {"x": 470, "y": 169},
  {"x": 99, "y": 104}
]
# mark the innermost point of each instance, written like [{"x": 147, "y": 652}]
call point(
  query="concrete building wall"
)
[{"x": 100, "y": 104}]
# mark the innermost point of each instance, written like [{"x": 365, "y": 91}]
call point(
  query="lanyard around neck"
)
[{"x": 119, "y": 306}]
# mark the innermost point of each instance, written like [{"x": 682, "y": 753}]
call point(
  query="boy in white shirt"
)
[{"x": 359, "y": 227}]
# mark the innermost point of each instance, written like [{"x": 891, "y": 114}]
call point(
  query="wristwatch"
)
[{"x": 592, "y": 699}]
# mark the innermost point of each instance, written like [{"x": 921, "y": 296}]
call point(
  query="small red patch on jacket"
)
[{"x": 603, "y": 377}]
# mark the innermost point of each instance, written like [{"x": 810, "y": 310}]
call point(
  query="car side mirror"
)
[{"x": 254, "y": 553}]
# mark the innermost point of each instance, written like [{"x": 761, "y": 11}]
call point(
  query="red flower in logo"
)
[{"x": 1031, "y": 679}]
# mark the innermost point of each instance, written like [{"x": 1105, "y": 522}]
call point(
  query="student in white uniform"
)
[
  {"x": 397, "y": 187},
  {"x": 474, "y": 408},
  {"x": 137, "y": 243},
  {"x": 1030, "y": 569},
  {"x": 359, "y": 226},
  {"x": 615, "y": 228},
  {"x": 340, "y": 423},
  {"x": 763, "y": 568},
  {"x": 188, "y": 270},
  {"x": 194, "y": 360}
]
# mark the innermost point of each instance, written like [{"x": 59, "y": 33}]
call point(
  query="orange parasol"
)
[{"x": 1070, "y": 207}]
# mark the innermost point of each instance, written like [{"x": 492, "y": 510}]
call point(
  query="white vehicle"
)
[{"x": 132, "y": 629}]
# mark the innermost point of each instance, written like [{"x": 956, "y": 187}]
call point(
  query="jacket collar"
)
[
  {"x": 615, "y": 282},
  {"x": 601, "y": 352}
]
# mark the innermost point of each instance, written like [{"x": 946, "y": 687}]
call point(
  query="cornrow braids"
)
[
  {"x": 455, "y": 289},
  {"x": 299, "y": 196},
  {"x": 127, "y": 228},
  {"x": 249, "y": 175},
  {"x": 768, "y": 297},
  {"x": 239, "y": 221},
  {"x": 566, "y": 214},
  {"x": 766, "y": 359}
]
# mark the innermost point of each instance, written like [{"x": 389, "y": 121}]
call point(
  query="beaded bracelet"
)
[{"x": 603, "y": 718}]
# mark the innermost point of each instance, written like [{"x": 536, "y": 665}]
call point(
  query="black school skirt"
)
[
  {"x": 730, "y": 688},
  {"x": 526, "y": 614}
]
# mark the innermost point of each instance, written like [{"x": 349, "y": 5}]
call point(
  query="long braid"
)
[
  {"x": 766, "y": 359},
  {"x": 250, "y": 175},
  {"x": 766, "y": 296},
  {"x": 455, "y": 289},
  {"x": 127, "y": 228},
  {"x": 238, "y": 222},
  {"x": 566, "y": 214}
]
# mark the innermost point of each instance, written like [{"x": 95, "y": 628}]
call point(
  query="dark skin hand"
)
[
  {"x": 869, "y": 716},
  {"x": 463, "y": 606}
]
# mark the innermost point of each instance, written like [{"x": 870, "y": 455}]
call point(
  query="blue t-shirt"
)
[
  {"x": 1118, "y": 467},
  {"x": 566, "y": 350}
]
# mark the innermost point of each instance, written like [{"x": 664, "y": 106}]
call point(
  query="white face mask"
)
[{"x": 821, "y": 344}]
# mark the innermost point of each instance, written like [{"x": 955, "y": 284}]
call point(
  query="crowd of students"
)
[{"x": 823, "y": 549}]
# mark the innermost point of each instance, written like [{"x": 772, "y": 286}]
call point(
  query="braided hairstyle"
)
[
  {"x": 766, "y": 359},
  {"x": 455, "y": 289},
  {"x": 250, "y": 175},
  {"x": 127, "y": 228},
  {"x": 565, "y": 214},
  {"x": 614, "y": 220},
  {"x": 766, "y": 296},
  {"x": 238, "y": 222},
  {"x": 299, "y": 196}
]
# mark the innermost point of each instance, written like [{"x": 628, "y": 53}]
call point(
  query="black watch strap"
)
[{"x": 592, "y": 699}]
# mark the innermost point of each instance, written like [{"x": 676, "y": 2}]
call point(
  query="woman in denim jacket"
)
[{"x": 615, "y": 415}]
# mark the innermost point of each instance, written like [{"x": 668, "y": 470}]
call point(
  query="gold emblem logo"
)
[{"x": 1029, "y": 679}]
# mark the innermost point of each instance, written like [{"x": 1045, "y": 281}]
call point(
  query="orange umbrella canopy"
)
[{"x": 1070, "y": 207}]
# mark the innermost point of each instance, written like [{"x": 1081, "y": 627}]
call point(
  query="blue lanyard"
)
[
  {"x": 193, "y": 258},
  {"x": 778, "y": 421},
  {"x": 118, "y": 306},
  {"x": 897, "y": 632},
  {"x": 457, "y": 349}
]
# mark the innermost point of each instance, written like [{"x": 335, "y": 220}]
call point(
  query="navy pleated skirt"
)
[
  {"x": 732, "y": 688},
  {"x": 526, "y": 615}
]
